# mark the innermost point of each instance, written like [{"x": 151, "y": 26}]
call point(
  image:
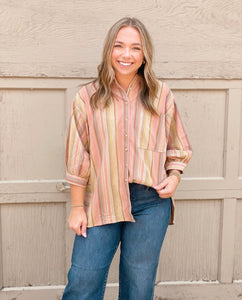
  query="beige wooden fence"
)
[{"x": 47, "y": 50}]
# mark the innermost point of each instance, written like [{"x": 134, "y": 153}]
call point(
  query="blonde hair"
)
[{"x": 106, "y": 74}]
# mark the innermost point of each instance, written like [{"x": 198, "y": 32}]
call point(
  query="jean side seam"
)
[{"x": 104, "y": 284}]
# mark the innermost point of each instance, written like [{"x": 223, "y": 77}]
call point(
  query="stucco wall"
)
[{"x": 49, "y": 48}]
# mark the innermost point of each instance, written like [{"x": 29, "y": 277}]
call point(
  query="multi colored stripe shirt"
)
[{"x": 106, "y": 149}]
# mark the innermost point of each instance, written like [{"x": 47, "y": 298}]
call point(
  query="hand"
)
[
  {"x": 167, "y": 187},
  {"x": 78, "y": 221}
]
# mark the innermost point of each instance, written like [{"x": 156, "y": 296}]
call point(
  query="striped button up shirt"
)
[{"x": 106, "y": 149}]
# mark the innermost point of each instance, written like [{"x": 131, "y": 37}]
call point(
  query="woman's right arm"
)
[
  {"x": 78, "y": 219},
  {"x": 78, "y": 164}
]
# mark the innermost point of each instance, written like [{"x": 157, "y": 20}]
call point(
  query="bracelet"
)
[
  {"x": 176, "y": 173},
  {"x": 79, "y": 205}
]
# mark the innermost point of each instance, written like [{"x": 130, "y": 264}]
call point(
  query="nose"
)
[{"x": 127, "y": 52}]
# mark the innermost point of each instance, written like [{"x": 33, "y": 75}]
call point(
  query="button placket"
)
[{"x": 126, "y": 141}]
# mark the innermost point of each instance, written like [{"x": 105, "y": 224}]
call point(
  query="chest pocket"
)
[{"x": 150, "y": 132}]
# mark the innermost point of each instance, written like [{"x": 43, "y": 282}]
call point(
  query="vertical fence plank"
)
[
  {"x": 238, "y": 242},
  {"x": 1, "y": 258},
  {"x": 232, "y": 139},
  {"x": 231, "y": 169},
  {"x": 226, "y": 258}
]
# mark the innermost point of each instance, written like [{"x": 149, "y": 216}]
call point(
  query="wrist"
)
[
  {"x": 77, "y": 206},
  {"x": 176, "y": 173}
]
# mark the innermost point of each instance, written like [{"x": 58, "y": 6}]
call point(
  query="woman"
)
[{"x": 126, "y": 148}]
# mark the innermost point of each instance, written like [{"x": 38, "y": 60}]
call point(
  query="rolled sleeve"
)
[{"x": 77, "y": 145}]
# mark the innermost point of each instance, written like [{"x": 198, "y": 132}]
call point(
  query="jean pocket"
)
[{"x": 141, "y": 192}]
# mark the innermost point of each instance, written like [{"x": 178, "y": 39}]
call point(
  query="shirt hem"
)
[{"x": 132, "y": 220}]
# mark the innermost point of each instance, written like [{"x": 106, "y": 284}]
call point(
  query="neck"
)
[{"x": 124, "y": 82}]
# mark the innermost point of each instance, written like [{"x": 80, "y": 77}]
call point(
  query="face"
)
[{"x": 127, "y": 54}]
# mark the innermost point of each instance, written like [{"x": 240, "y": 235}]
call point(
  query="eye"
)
[
  {"x": 117, "y": 46},
  {"x": 137, "y": 48}
]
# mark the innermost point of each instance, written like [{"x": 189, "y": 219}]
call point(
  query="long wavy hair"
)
[{"x": 106, "y": 73}]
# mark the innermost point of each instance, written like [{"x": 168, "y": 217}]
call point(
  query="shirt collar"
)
[{"x": 132, "y": 91}]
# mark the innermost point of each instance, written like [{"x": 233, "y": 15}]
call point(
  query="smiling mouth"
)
[{"x": 125, "y": 64}]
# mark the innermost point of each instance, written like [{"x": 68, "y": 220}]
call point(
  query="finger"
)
[
  {"x": 165, "y": 193},
  {"x": 162, "y": 193},
  {"x": 161, "y": 186},
  {"x": 77, "y": 230},
  {"x": 84, "y": 230}
]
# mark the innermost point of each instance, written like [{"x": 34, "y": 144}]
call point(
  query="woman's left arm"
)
[{"x": 178, "y": 151}]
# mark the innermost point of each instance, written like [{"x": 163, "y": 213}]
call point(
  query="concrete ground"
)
[
  {"x": 211, "y": 291},
  {"x": 190, "y": 292}
]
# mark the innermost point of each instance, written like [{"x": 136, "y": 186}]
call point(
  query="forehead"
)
[{"x": 128, "y": 35}]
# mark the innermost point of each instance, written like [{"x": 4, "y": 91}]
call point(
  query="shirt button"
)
[{"x": 126, "y": 149}]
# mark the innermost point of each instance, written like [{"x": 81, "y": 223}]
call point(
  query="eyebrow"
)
[{"x": 131, "y": 44}]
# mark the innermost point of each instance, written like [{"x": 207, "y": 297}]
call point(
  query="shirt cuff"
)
[
  {"x": 175, "y": 166},
  {"x": 75, "y": 180}
]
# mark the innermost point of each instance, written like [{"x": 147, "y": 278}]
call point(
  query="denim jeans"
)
[{"x": 140, "y": 245}]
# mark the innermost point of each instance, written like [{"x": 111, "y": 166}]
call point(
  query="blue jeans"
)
[{"x": 140, "y": 245}]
